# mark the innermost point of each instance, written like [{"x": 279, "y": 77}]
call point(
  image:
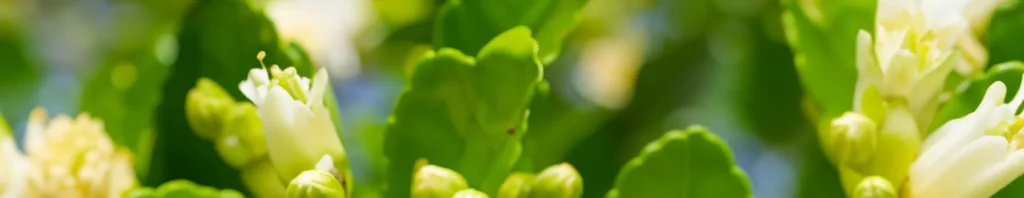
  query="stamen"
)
[{"x": 260, "y": 56}]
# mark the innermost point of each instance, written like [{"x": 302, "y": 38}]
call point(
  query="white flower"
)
[
  {"x": 975, "y": 155},
  {"x": 13, "y": 165},
  {"x": 74, "y": 158},
  {"x": 911, "y": 53},
  {"x": 297, "y": 126}
]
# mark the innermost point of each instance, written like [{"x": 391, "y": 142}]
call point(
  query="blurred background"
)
[{"x": 629, "y": 71}]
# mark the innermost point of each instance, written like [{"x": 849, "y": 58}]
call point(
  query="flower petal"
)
[
  {"x": 320, "y": 86},
  {"x": 991, "y": 180},
  {"x": 255, "y": 86},
  {"x": 297, "y": 136},
  {"x": 945, "y": 178}
]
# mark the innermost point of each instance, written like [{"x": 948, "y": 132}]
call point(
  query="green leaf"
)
[
  {"x": 184, "y": 188},
  {"x": 823, "y": 37},
  {"x": 467, "y": 25},
  {"x": 465, "y": 113},
  {"x": 1004, "y": 33},
  {"x": 687, "y": 163},
  {"x": 967, "y": 98}
]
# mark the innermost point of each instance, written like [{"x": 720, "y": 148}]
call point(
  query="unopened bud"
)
[
  {"x": 516, "y": 185},
  {"x": 204, "y": 106},
  {"x": 433, "y": 181},
  {"x": 241, "y": 138},
  {"x": 469, "y": 193},
  {"x": 315, "y": 183},
  {"x": 854, "y": 139},
  {"x": 874, "y": 187},
  {"x": 558, "y": 181}
]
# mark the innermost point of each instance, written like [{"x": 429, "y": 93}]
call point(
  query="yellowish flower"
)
[
  {"x": 13, "y": 165},
  {"x": 74, "y": 158},
  {"x": 975, "y": 155},
  {"x": 298, "y": 129}
]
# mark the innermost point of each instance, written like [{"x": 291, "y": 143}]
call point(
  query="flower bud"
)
[
  {"x": 874, "y": 187},
  {"x": 432, "y": 181},
  {"x": 517, "y": 185},
  {"x": 241, "y": 139},
  {"x": 898, "y": 143},
  {"x": 469, "y": 193},
  {"x": 315, "y": 183},
  {"x": 854, "y": 139},
  {"x": 558, "y": 181},
  {"x": 204, "y": 105}
]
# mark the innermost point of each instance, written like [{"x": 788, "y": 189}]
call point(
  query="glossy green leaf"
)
[
  {"x": 967, "y": 98},
  {"x": 184, "y": 188},
  {"x": 467, "y": 25},
  {"x": 686, "y": 163},
  {"x": 465, "y": 113}
]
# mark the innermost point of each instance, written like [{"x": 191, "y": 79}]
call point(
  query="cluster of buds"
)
[{"x": 558, "y": 181}]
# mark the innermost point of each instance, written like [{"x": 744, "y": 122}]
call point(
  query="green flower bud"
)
[
  {"x": 558, "y": 181},
  {"x": 315, "y": 183},
  {"x": 854, "y": 139},
  {"x": 900, "y": 139},
  {"x": 436, "y": 182},
  {"x": 896, "y": 147},
  {"x": 241, "y": 140},
  {"x": 469, "y": 193},
  {"x": 204, "y": 105},
  {"x": 516, "y": 185},
  {"x": 874, "y": 187}
]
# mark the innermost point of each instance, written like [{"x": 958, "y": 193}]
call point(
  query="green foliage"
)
[
  {"x": 124, "y": 89},
  {"x": 1004, "y": 33},
  {"x": 467, "y": 25},
  {"x": 556, "y": 127},
  {"x": 465, "y": 113},
  {"x": 966, "y": 99},
  {"x": 818, "y": 177},
  {"x": 20, "y": 76},
  {"x": 823, "y": 37},
  {"x": 184, "y": 188},
  {"x": 687, "y": 163}
]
